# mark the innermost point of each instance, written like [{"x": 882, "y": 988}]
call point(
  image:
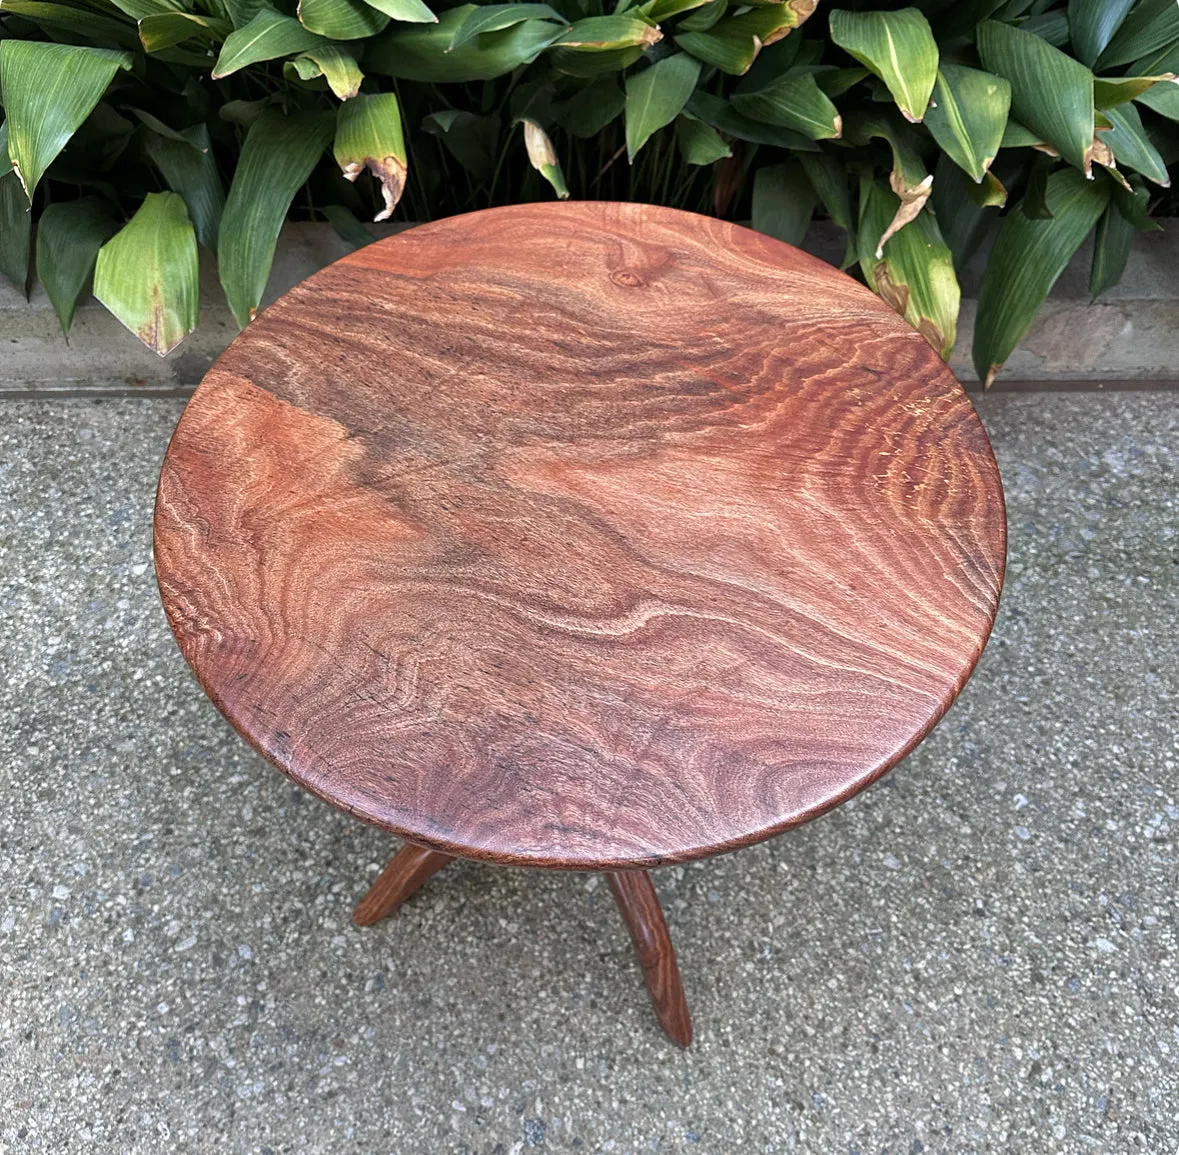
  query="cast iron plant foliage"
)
[{"x": 137, "y": 130}]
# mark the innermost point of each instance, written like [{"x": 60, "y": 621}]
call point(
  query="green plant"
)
[{"x": 138, "y": 128}]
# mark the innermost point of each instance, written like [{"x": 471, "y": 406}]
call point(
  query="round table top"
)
[{"x": 581, "y": 535}]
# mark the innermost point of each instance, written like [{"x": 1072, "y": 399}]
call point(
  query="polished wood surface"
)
[
  {"x": 639, "y": 904},
  {"x": 581, "y": 535},
  {"x": 407, "y": 870}
]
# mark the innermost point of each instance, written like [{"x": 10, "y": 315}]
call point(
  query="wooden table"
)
[{"x": 582, "y": 536}]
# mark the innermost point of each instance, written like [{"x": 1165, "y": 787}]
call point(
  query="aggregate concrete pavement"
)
[{"x": 977, "y": 954}]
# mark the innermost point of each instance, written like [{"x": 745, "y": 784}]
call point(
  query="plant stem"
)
[
  {"x": 499, "y": 164},
  {"x": 671, "y": 148}
]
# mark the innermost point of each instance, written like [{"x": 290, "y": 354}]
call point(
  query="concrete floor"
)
[{"x": 978, "y": 954}]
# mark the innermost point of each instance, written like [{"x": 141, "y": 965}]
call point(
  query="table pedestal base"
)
[{"x": 633, "y": 891}]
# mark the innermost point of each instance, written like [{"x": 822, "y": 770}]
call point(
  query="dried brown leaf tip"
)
[
  {"x": 893, "y": 294},
  {"x": 896, "y": 295},
  {"x": 1100, "y": 153},
  {"x": 913, "y": 198},
  {"x": 390, "y": 171}
]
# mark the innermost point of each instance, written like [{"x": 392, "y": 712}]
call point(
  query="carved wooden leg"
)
[
  {"x": 636, "y": 898},
  {"x": 407, "y": 870}
]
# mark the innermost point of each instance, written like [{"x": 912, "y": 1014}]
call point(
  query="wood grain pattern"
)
[
  {"x": 635, "y": 894},
  {"x": 586, "y": 535},
  {"x": 407, "y": 870}
]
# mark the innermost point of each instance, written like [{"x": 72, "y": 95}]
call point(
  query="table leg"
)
[
  {"x": 407, "y": 870},
  {"x": 636, "y": 898}
]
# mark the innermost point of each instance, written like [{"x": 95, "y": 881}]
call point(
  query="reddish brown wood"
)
[
  {"x": 407, "y": 870},
  {"x": 635, "y": 894},
  {"x": 583, "y": 535}
]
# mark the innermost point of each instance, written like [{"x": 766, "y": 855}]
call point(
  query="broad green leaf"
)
[
  {"x": 659, "y": 10},
  {"x": 146, "y": 274},
  {"x": 341, "y": 19},
  {"x": 158, "y": 126},
  {"x": 968, "y": 115},
  {"x": 1015, "y": 135},
  {"x": 783, "y": 202},
  {"x": 586, "y": 65},
  {"x": 533, "y": 98},
  {"x": 800, "y": 9},
  {"x": 170, "y": 28},
  {"x": 905, "y": 141},
  {"x": 470, "y": 138},
  {"x": 190, "y": 57},
  {"x": 187, "y": 163},
  {"x": 656, "y": 96},
  {"x": 1110, "y": 91},
  {"x": 962, "y": 17},
  {"x": 94, "y": 148},
  {"x": 828, "y": 177},
  {"x": 963, "y": 221},
  {"x": 705, "y": 17},
  {"x": 699, "y": 143},
  {"x": 1163, "y": 99},
  {"x": 244, "y": 112},
  {"x": 898, "y": 47},
  {"x": 836, "y": 81},
  {"x": 793, "y": 101},
  {"x": 369, "y": 135},
  {"x": 1051, "y": 93},
  {"x": 909, "y": 179},
  {"x": 590, "y": 110},
  {"x": 1051, "y": 27},
  {"x": 1130, "y": 144},
  {"x": 277, "y": 157},
  {"x": 543, "y": 157},
  {"x": 1029, "y": 255},
  {"x": 69, "y": 235},
  {"x": 606, "y": 33},
  {"x": 1134, "y": 205},
  {"x": 913, "y": 271},
  {"x": 1034, "y": 204},
  {"x": 1092, "y": 24},
  {"x": 138, "y": 9},
  {"x": 423, "y": 52},
  {"x": 732, "y": 44},
  {"x": 347, "y": 227},
  {"x": 497, "y": 17},
  {"x": 724, "y": 117},
  {"x": 1150, "y": 26},
  {"x": 988, "y": 192},
  {"x": 75, "y": 21},
  {"x": 1111, "y": 250},
  {"x": 334, "y": 63},
  {"x": 49, "y": 90},
  {"x": 772, "y": 62},
  {"x": 407, "y": 11},
  {"x": 266, "y": 37},
  {"x": 241, "y": 12},
  {"x": 1166, "y": 59},
  {"x": 16, "y": 224}
]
